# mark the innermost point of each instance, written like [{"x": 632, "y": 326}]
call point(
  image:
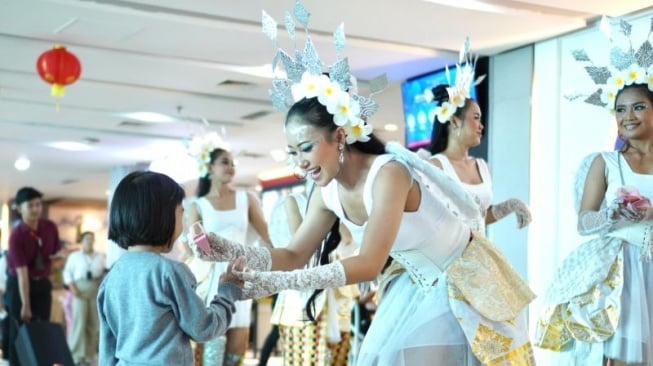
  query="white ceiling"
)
[{"x": 157, "y": 56}]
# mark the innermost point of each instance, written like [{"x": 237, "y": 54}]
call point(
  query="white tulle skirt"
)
[
  {"x": 412, "y": 327},
  {"x": 633, "y": 339}
]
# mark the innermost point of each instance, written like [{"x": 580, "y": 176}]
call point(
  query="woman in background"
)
[
  {"x": 221, "y": 209},
  {"x": 82, "y": 274},
  {"x": 450, "y": 143}
]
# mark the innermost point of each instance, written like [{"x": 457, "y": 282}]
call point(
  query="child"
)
[{"x": 148, "y": 308}]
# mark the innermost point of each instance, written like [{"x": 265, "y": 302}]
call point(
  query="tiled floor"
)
[{"x": 273, "y": 361}]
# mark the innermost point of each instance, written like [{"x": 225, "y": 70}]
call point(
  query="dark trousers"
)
[
  {"x": 40, "y": 294},
  {"x": 270, "y": 341}
]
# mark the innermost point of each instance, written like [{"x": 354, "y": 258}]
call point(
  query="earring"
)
[{"x": 341, "y": 156}]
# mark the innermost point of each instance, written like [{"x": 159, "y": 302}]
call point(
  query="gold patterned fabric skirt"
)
[
  {"x": 487, "y": 298},
  {"x": 599, "y": 303},
  {"x": 307, "y": 345}
]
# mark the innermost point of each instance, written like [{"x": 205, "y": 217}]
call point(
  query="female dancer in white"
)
[
  {"x": 228, "y": 212},
  {"x": 601, "y": 300},
  {"x": 456, "y": 300},
  {"x": 450, "y": 144}
]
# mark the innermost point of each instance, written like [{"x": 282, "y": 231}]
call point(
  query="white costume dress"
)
[
  {"x": 481, "y": 192},
  {"x": 431, "y": 317},
  {"x": 231, "y": 224},
  {"x": 601, "y": 300}
]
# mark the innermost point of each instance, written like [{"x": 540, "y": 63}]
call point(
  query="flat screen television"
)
[{"x": 419, "y": 114}]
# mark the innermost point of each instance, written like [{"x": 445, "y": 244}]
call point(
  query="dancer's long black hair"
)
[
  {"x": 204, "y": 184},
  {"x": 313, "y": 113},
  {"x": 440, "y": 133}
]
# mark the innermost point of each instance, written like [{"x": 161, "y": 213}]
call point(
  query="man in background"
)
[{"x": 31, "y": 243}]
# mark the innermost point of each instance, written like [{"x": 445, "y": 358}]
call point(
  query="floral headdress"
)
[
  {"x": 306, "y": 79},
  {"x": 627, "y": 66},
  {"x": 200, "y": 148},
  {"x": 459, "y": 90}
]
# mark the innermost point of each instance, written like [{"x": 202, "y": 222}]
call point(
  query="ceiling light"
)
[
  {"x": 508, "y": 7},
  {"x": 391, "y": 127},
  {"x": 263, "y": 71},
  {"x": 471, "y": 5},
  {"x": 22, "y": 163},
  {"x": 70, "y": 145},
  {"x": 151, "y": 117}
]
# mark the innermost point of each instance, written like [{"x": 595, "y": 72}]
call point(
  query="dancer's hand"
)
[
  {"x": 222, "y": 250},
  {"x": 503, "y": 209},
  {"x": 237, "y": 265}
]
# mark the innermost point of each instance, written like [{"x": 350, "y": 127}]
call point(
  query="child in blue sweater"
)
[{"x": 148, "y": 307}]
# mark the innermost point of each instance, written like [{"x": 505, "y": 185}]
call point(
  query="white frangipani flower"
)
[
  {"x": 608, "y": 96},
  {"x": 635, "y": 74},
  {"x": 328, "y": 94},
  {"x": 616, "y": 81},
  {"x": 357, "y": 130},
  {"x": 345, "y": 109},
  {"x": 309, "y": 86},
  {"x": 200, "y": 148},
  {"x": 445, "y": 111}
]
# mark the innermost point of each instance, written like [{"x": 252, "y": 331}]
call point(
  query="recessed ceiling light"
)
[
  {"x": 151, "y": 117},
  {"x": 390, "y": 127},
  {"x": 22, "y": 163},
  {"x": 262, "y": 71},
  {"x": 70, "y": 145}
]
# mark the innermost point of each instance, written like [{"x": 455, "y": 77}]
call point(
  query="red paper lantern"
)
[{"x": 59, "y": 68}]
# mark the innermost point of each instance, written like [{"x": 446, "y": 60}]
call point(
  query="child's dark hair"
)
[
  {"x": 204, "y": 184},
  {"x": 312, "y": 112},
  {"x": 143, "y": 210},
  {"x": 440, "y": 133}
]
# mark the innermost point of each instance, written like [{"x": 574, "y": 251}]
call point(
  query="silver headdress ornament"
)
[
  {"x": 627, "y": 66},
  {"x": 305, "y": 78},
  {"x": 459, "y": 89}
]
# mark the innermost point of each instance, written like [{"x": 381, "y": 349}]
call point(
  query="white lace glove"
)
[
  {"x": 593, "y": 222},
  {"x": 223, "y": 250},
  {"x": 509, "y": 206},
  {"x": 261, "y": 284}
]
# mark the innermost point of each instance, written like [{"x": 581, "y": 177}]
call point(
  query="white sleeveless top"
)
[
  {"x": 481, "y": 192},
  {"x": 231, "y": 224},
  {"x": 432, "y": 229},
  {"x": 626, "y": 177}
]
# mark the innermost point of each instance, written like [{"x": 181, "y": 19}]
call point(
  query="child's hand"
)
[{"x": 237, "y": 265}]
